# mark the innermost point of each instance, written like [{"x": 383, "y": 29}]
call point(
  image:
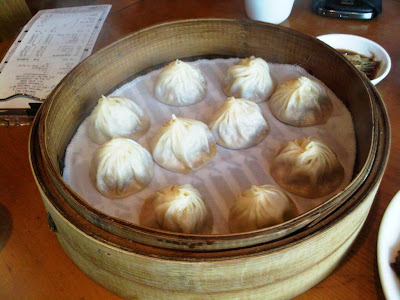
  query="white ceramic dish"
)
[
  {"x": 363, "y": 46},
  {"x": 388, "y": 245}
]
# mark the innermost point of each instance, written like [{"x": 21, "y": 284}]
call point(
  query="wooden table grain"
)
[{"x": 32, "y": 263}]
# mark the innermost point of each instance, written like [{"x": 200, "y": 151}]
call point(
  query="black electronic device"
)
[{"x": 348, "y": 9}]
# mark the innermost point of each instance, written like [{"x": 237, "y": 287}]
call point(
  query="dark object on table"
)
[
  {"x": 396, "y": 264},
  {"x": 348, "y": 9},
  {"x": 6, "y": 226}
]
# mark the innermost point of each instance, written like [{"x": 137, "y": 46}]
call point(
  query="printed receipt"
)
[{"x": 48, "y": 47}]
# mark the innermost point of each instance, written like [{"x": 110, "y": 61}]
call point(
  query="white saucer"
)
[
  {"x": 363, "y": 46},
  {"x": 388, "y": 245}
]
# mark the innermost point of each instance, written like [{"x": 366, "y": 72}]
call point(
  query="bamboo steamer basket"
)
[{"x": 274, "y": 263}]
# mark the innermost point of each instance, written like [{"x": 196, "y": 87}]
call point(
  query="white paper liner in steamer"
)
[{"x": 231, "y": 171}]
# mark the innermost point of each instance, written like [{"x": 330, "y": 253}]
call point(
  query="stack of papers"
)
[{"x": 48, "y": 47}]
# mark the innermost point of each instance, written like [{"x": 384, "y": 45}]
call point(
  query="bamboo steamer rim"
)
[
  {"x": 129, "y": 246},
  {"x": 178, "y": 239}
]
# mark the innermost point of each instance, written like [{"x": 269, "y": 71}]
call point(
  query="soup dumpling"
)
[
  {"x": 238, "y": 124},
  {"x": 260, "y": 207},
  {"x": 180, "y": 84},
  {"x": 181, "y": 209},
  {"x": 301, "y": 102},
  {"x": 307, "y": 167},
  {"x": 116, "y": 117},
  {"x": 249, "y": 79},
  {"x": 183, "y": 145},
  {"x": 121, "y": 167}
]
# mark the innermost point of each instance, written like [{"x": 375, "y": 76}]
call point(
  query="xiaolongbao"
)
[
  {"x": 249, "y": 79},
  {"x": 260, "y": 207},
  {"x": 181, "y": 209},
  {"x": 121, "y": 167},
  {"x": 238, "y": 124},
  {"x": 116, "y": 117},
  {"x": 307, "y": 167},
  {"x": 301, "y": 102},
  {"x": 183, "y": 145},
  {"x": 180, "y": 84}
]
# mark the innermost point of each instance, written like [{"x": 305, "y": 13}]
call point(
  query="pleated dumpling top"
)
[
  {"x": 180, "y": 84},
  {"x": 307, "y": 167},
  {"x": 183, "y": 145},
  {"x": 238, "y": 124},
  {"x": 121, "y": 167},
  {"x": 250, "y": 79}
]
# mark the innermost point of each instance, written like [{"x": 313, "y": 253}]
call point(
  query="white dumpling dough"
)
[
  {"x": 180, "y": 209},
  {"x": 249, "y": 79},
  {"x": 301, "y": 102},
  {"x": 307, "y": 167},
  {"x": 180, "y": 84},
  {"x": 238, "y": 124},
  {"x": 183, "y": 145},
  {"x": 121, "y": 167},
  {"x": 116, "y": 117},
  {"x": 260, "y": 207}
]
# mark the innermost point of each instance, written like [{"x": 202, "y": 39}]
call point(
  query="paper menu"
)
[{"x": 48, "y": 47}]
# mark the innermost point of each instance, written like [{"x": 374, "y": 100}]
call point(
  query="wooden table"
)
[{"x": 32, "y": 263}]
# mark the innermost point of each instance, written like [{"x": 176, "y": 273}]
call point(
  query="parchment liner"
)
[{"x": 231, "y": 171}]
